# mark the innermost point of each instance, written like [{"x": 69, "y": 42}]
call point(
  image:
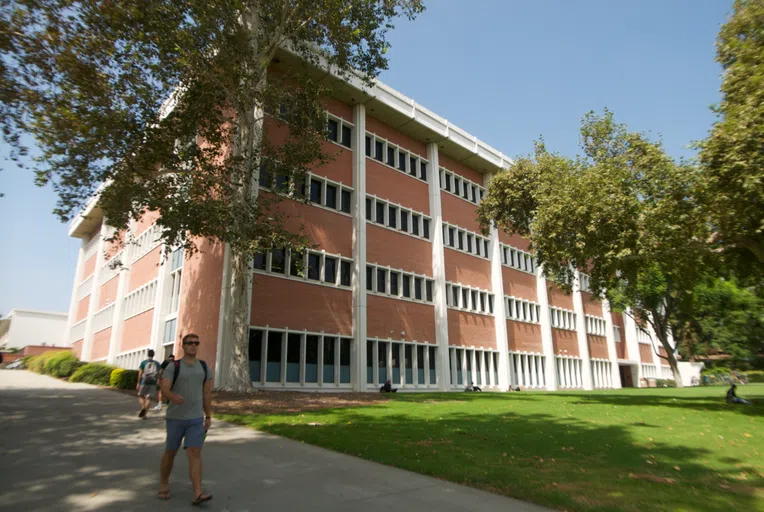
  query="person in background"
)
[
  {"x": 148, "y": 376},
  {"x": 732, "y": 397},
  {"x": 387, "y": 387},
  {"x": 170, "y": 360}
]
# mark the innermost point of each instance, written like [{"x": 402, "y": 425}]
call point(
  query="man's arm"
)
[
  {"x": 140, "y": 374},
  {"x": 207, "y": 403},
  {"x": 165, "y": 383}
]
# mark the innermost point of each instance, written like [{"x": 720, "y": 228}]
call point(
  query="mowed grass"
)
[{"x": 631, "y": 449}]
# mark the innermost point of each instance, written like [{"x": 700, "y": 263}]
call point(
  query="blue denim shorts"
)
[{"x": 190, "y": 430}]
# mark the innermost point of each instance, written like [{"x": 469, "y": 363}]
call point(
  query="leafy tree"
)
[
  {"x": 166, "y": 102},
  {"x": 721, "y": 315},
  {"x": 624, "y": 211},
  {"x": 732, "y": 156}
]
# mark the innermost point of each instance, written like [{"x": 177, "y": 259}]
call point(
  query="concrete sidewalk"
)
[{"x": 78, "y": 447}]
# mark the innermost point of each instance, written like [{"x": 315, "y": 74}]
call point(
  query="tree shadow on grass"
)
[{"x": 563, "y": 462}]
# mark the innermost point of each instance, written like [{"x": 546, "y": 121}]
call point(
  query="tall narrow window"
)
[
  {"x": 314, "y": 267},
  {"x": 315, "y": 191},
  {"x": 406, "y": 286},
  {"x": 345, "y": 273},
  {"x": 391, "y": 156},
  {"x": 380, "y": 213},
  {"x": 296, "y": 263},
  {"x": 433, "y": 375},
  {"x": 346, "y": 199},
  {"x": 368, "y": 209},
  {"x": 394, "y": 278},
  {"x": 418, "y": 288},
  {"x": 346, "y": 136},
  {"x": 402, "y": 157},
  {"x": 428, "y": 286},
  {"x": 258, "y": 262},
  {"x": 461, "y": 240},
  {"x": 293, "y": 357},
  {"x": 412, "y": 165},
  {"x": 423, "y": 171},
  {"x": 332, "y": 130},
  {"x": 369, "y": 362},
  {"x": 392, "y": 216},
  {"x": 382, "y": 361},
  {"x": 415, "y": 224},
  {"x": 368, "y": 146},
  {"x": 329, "y": 354},
  {"x": 381, "y": 280},
  {"x": 278, "y": 261},
  {"x": 426, "y": 228},
  {"x": 345, "y": 360},
  {"x": 420, "y": 363},
  {"x": 455, "y": 291},
  {"x": 404, "y": 220},
  {"x": 448, "y": 182},
  {"x": 311, "y": 358},
  {"x": 273, "y": 367},
  {"x": 331, "y": 196},
  {"x": 369, "y": 278},
  {"x": 378, "y": 150},
  {"x": 330, "y": 270},
  {"x": 255, "y": 354}
]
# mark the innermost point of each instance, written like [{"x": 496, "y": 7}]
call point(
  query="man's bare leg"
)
[
  {"x": 195, "y": 469},
  {"x": 165, "y": 468}
]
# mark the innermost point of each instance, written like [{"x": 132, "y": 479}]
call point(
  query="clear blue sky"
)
[{"x": 506, "y": 71}]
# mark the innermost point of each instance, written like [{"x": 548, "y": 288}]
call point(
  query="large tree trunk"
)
[
  {"x": 661, "y": 326},
  {"x": 246, "y": 150}
]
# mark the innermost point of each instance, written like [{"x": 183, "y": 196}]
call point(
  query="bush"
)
[
  {"x": 665, "y": 383},
  {"x": 93, "y": 373},
  {"x": 60, "y": 364},
  {"x": 123, "y": 379},
  {"x": 755, "y": 376},
  {"x": 37, "y": 363}
]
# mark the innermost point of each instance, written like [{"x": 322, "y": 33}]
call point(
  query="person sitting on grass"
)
[
  {"x": 472, "y": 387},
  {"x": 387, "y": 388},
  {"x": 732, "y": 397}
]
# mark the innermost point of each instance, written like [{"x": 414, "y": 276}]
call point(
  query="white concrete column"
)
[
  {"x": 438, "y": 266},
  {"x": 118, "y": 321},
  {"x": 546, "y": 329},
  {"x": 632, "y": 346},
  {"x": 583, "y": 344},
  {"x": 499, "y": 305},
  {"x": 615, "y": 375},
  {"x": 157, "y": 320},
  {"x": 359, "y": 248},
  {"x": 87, "y": 344},
  {"x": 71, "y": 319}
]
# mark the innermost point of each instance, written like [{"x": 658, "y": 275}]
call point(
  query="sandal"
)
[
  {"x": 163, "y": 495},
  {"x": 201, "y": 499}
]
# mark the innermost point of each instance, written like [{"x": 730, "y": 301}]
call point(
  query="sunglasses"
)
[{"x": 191, "y": 342}]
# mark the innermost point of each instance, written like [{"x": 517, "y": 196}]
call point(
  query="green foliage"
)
[
  {"x": 61, "y": 364},
  {"x": 93, "y": 373},
  {"x": 37, "y": 363},
  {"x": 732, "y": 156},
  {"x": 665, "y": 383},
  {"x": 123, "y": 379},
  {"x": 754, "y": 375}
]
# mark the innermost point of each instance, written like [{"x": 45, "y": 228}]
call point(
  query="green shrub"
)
[
  {"x": 665, "y": 383},
  {"x": 123, "y": 379},
  {"x": 755, "y": 375},
  {"x": 37, "y": 363},
  {"x": 93, "y": 373},
  {"x": 60, "y": 364}
]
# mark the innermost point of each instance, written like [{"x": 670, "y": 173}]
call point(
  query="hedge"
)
[
  {"x": 665, "y": 383},
  {"x": 123, "y": 379},
  {"x": 37, "y": 363},
  {"x": 93, "y": 373},
  {"x": 755, "y": 376},
  {"x": 61, "y": 364}
]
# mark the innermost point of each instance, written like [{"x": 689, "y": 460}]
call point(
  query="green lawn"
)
[{"x": 632, "y": 449}]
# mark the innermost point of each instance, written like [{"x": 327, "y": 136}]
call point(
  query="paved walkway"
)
[{"x": 78, "y": 447}]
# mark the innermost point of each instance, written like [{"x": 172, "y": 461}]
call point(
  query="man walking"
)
[
  {"x": 187, "y": 383},
  {"x": 170, "y": 360},
  {"x": 148, "y": 374}
]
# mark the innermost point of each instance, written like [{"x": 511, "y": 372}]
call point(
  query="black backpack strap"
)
[
  {"x": 204, "y": 365},
  {"x": 175, "y": 373}
]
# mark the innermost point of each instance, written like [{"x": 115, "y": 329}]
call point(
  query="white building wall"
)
[{"x": 36, "y": 328}]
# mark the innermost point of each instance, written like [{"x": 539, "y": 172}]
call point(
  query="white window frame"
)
[
  {"x": 413, "y": 276},
  {"x": 289, "y": 254},
  {"x": 478, "y": 241},
  {"x": 463, "y": 183},
  {"x": 518, "y": 259},
  {"x": 398, "y": 152},
  {"x": 371, "y": 219},
  {"x": 340, "y": 123}
]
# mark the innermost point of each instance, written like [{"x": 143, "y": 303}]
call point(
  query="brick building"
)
[{"x": 402, "y": 285}]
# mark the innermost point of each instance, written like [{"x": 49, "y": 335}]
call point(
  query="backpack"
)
[
  {"x": 175, "y": 374},
  {"x": 150, "y": 372}
]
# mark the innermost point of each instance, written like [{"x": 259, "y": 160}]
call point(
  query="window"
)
[
  {"x": 402, "y": 158},
  {"x": 296, "y": 264},
  {"x": 378, "y": 148},
  {"x": 517, "y": 259},
  {"x": 406, "y": 286},
  {"x": 391, "y": 156},
  {"x": 369, "y": 278},
  {"x": 418, "y": 288},
  {"x": 346, "y": 135},
  {"x": 462, "y": 187},
  {"x": 345, "y": 360},
  {"x": 330, "y": 270},
  {"x": 294, "y": 342},
  {"x": 412, "y": 165},
  {"x": 454, "y": 238},
  {"x": 331, "y": 197},
  {"x": 428, "y": 284},
  {"x": 273, "y": 368},
  {"x": 314, "y": 267},
  {"x": 381, "y": 282},
  {"x": 346, "y": 198},
  {"x": 329, "y": 352},
  {"x": 333, "y": 130},
  {"x": 423, "y": 171},
  {"x": 368, "y": 146},
  {"x": 521, "y": 310},
  {"x": 311, "y": 358},
  {"x": 563, "y": 318},
  {"x": 255, "y": 354},
  {"x": 409, "y": 221},
  {"x": 345, "y": 273},
  {"x": 394, "y": 278},
  {"x": 396, "y": 157},
  {"x": 315, "y": 191},
  {"x": 258, "y": 261},
  {"x": 339, "y": 131},
  {"x": 278, "y": 261},
  {"x": 400, "y": 283}
]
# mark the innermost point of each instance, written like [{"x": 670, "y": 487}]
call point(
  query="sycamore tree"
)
[
  {"x": 623, "y": 211},
  {"x": 165, "y": 102},
  {"x": 732, "y": 157}
]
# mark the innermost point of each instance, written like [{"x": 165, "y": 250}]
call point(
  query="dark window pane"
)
[
  {"x": 255, "y": 353},
  {"x": 369, "y": 276},
  {"x": 382, "y": 361},
  {"x": 482, "y": 302},
  {"x": 466, "y": 192},
  {"x": 406, "y": 286},
  {"x": 474, "y": 300},
  {"x": 329, "y": 351},
  {"x": 368, "y": 209},
  {"x": 426, "y": 228},
  {"x": 423, "y": 171},
  {"x": 331, "y": 196},
  {"x": 428, "y": 284},
  {"x": 420, "y": 364},
  {"x": 381, "y": 281},
  {"x": 465, "y": 298},
  {"x": 481, "y": 195},
  {"x": 259, "y": 261},
  {"x": 333, "y": 128},
  {"x": 433, "y": 375},
  {"x": 461, "y": 240},
  {"x": 378, "y": 149},
  {"x": 314, "y": 267},
  {"x": 345, "y": 360},
  {"x": 273, "y": 367},
  {"x": 490, "y": 303},
  {"x": 402, "y": 161},
  {"x": 408, "y": 363},
  {"x": 412, "y": 166},
  {"x": 448, "y": 182},
  {"x": 394, "y": 277},
  {"x": 369, "y": 362},
  {"x": 299, "y": 188},
  {"x": 457, "y": 185},
  {"x": 311, "y": 358},
  {"x": 392, "y": 217},
  {"x": 391, "y": 156},
  {"x": 296, "y": 263},
  {"x": 455, "y": 293},
  {"x": 368, "y": 146},
  {"x": 346, "y": 199},
  {"x": 418, "y": 288},
  {"x": 404, "y": 220},
  {"x": 396, "y": 363},
  {"x": 265, "y": 177},
  {"x": 469, "y": 243},
  {"x": 330, "y": 270},
  {"x": 278, "y": 261},
  {"x": 315, "y": 191},
  {"x": 415, "y": 224},
  {"x": 346, "y": 136},
  {"x": 282, "y": 183},
  {"x": 380, "y": 213},
  {"x": 345, "y": 273},
  {"x": 293, "y": 358},
  {"x": 474, "y": 194},
  {"x": 451, "y": 234}
]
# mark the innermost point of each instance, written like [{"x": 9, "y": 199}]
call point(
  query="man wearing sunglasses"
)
[{"x": 187, "y": 383}]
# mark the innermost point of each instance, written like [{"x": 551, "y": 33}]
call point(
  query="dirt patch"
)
[{"x": 281, "y": 402}]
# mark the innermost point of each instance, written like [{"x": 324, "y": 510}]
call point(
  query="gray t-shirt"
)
[{"x": 190, "y": 385}]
